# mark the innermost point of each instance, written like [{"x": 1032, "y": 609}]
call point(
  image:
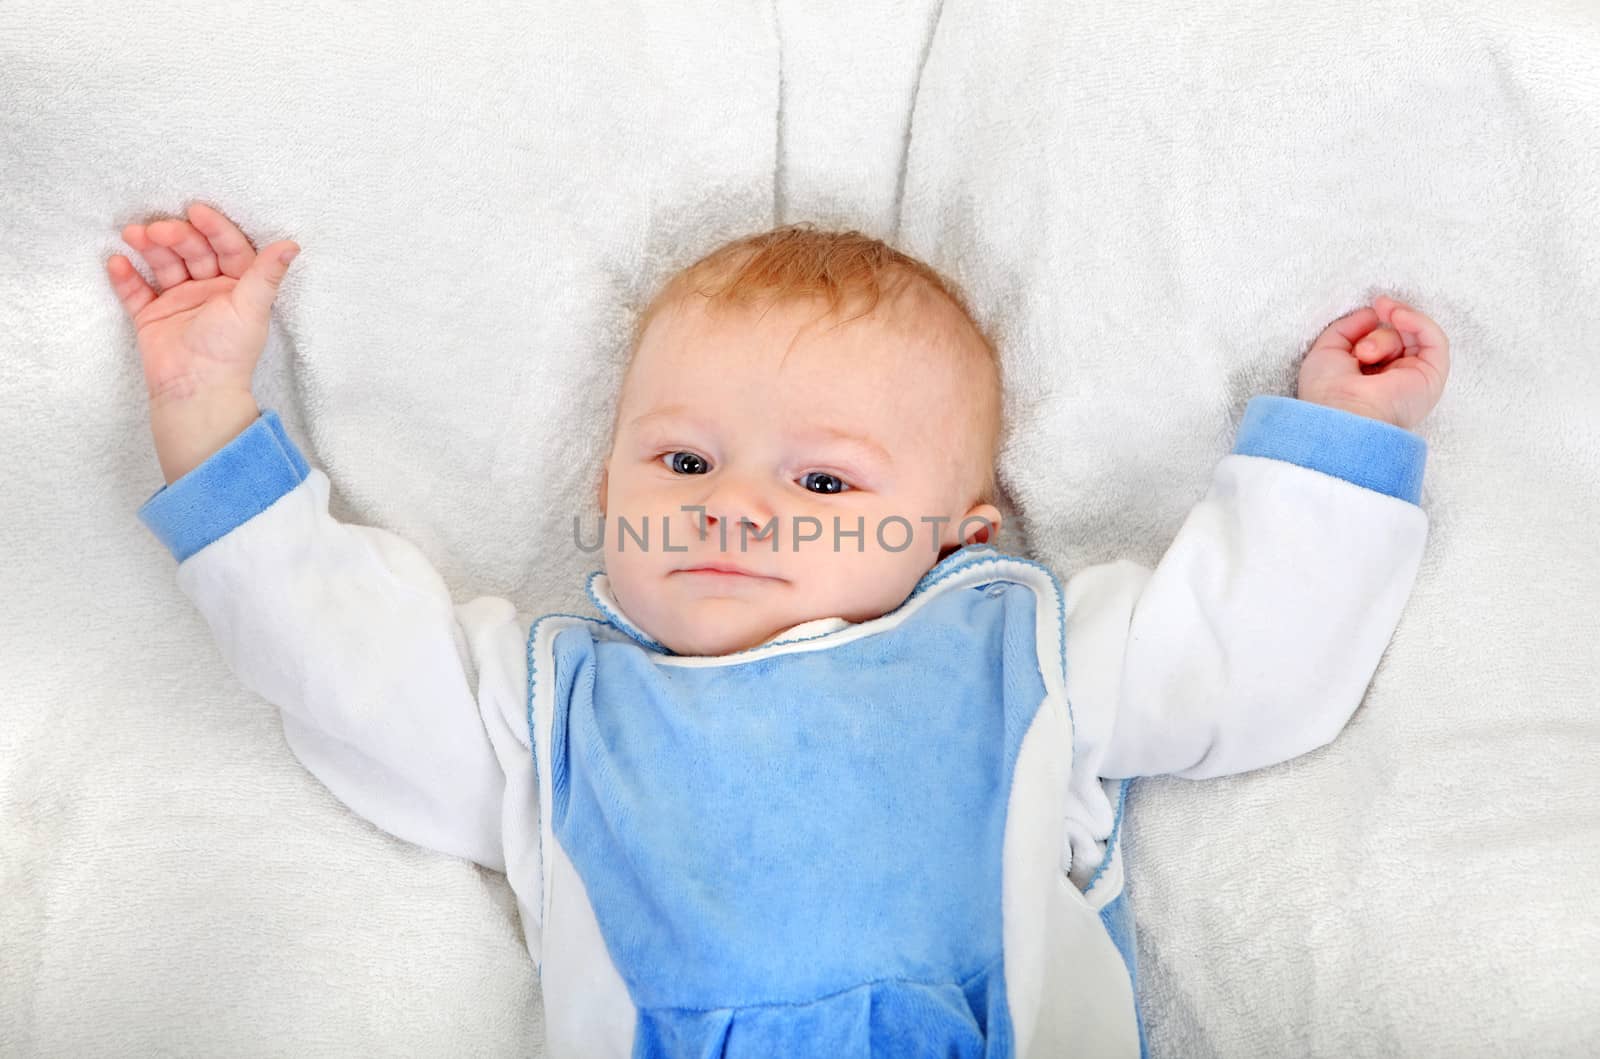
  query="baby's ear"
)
[{"x": 980, "y": 524}]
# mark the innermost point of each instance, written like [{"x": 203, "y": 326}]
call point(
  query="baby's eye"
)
[
  {"x": 823, "y": 482},
  {"x": 684, "y": 462}
]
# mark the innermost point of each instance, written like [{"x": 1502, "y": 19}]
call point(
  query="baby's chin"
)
[
  {"x": 714, "y": 646},
  {"x": 718, "y": 627},
  {"x": 706, "y": 623},
  {"x": 686, "y": 636}
]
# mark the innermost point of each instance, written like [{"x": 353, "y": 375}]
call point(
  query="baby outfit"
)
[{"x": 897, "y": 837}]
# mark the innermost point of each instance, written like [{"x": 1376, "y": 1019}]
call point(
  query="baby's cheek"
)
[
  {"x": 638, "y": 578},
  {"x": 868, "y": 584}
]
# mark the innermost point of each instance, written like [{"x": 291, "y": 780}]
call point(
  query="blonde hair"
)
[{"x": 800, "y": 261}]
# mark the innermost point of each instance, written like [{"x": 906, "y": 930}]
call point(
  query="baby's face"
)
[{"x": 719, "y": 433}]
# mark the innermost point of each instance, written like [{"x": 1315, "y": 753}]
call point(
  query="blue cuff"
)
[
  {"x": 1371, "y": 453},
  {"x": 235, "y": 484}
]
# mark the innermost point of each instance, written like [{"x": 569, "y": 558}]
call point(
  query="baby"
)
[{"x": 831, "y": 774}]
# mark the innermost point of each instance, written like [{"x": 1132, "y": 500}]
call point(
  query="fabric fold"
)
[{"x": 892, "y": 1017}]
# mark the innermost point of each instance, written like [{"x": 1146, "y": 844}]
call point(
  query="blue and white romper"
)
[{"x": 897, "y": 837}]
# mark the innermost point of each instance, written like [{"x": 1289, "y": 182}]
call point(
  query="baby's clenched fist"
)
[{"x": 1386, "y": 362}]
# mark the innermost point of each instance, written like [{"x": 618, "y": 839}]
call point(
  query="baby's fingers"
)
[
  {"x": 1379, "y": 345},
  {"x": 234, "y": 252},
  {"x": 183, "y": 239},
  {"x": 130, "y": 288},
  {"x": 167, "y": 266},
  {"x": 1423, "y": 338},
  {"x": 1347, "y": 330}
]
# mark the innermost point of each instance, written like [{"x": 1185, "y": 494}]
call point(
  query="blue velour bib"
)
[{"x": 797, "y": 852}]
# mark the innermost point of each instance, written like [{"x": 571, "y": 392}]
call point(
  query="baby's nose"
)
[
  {"x": 739, "y": 503},
  {"x": 755, "y": 530}
]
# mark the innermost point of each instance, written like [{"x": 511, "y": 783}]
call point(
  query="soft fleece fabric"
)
[{"x": 1153, "y": 211}]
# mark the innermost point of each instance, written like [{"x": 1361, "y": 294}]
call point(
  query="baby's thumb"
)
[{"x": 258, "y": 287}]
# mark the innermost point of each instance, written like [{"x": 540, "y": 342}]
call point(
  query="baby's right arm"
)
[
  {"x": 351, "y": 632},
  {"x": 348, "y": 629}
]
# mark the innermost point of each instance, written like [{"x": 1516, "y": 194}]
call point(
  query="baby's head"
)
[{"x": 782, "y": 393}]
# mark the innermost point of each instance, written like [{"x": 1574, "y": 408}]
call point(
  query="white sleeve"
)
[
  {"x": 1255, "y": 637},
  {"x": 352, "y": 633}
]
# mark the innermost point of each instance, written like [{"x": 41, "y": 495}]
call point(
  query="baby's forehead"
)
[
  {"x": 914, "y": 330},
  {"x": 903, "y": 362},
  {"x": 867, "y": 375}
]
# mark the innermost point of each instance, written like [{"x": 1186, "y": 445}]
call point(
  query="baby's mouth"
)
[{"x": 727, "y": 571}]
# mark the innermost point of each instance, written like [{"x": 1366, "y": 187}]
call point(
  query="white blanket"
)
[{"x": 1154, "y": 210}]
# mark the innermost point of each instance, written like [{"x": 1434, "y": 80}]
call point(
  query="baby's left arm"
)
[{"x": 1256, "y": 636}]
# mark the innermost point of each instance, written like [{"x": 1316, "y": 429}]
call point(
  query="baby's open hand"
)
[
  {"x": 207, "y": 328},
  {"x": 1385, "y": 362}
]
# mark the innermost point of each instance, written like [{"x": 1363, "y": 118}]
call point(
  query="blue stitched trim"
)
[
  {"x": 237, "y": 482},
  {"x": 1369, "y": 452},
  {"x": 972, "y": 556},
  {"x": 533, "y": 749},
  {"x": 615, "y": 618},
  {"x": 1111, "y": 842}
]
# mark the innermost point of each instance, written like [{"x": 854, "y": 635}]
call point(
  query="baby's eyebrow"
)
[
  {"x": 660, "y": 413},
  {"x": 822, "y": 431},
  {"x": 871, "y": 447}
]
